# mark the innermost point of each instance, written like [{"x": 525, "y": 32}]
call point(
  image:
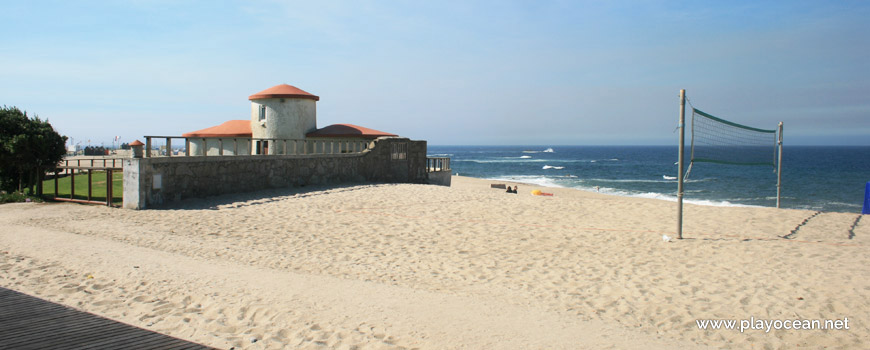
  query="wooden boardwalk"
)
[{"x": 27, "y": 322}]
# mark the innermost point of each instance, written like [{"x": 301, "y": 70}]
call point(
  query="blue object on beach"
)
[{"x": 866, "y": 199}]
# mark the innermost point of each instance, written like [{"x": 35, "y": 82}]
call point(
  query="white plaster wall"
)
[
  {"x": 195, "y": 147},
  {"x": 341, "y": 145},
  {"x": 134, "y": 193},
  {"x": 290, "y": 119},
  {"x": 244, "y": 146}
]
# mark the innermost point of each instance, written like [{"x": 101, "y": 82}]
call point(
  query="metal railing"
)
[
  {"x": 437, "y": 164},
  {"x": 243, "y": 146}
]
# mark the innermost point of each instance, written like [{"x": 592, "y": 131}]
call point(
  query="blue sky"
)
[{"x": 463, "y": 72}]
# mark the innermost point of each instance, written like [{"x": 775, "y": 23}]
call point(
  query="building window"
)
[
  {"x": 262, "y": 113},
  {"x": 262, "y": 147},
  {"x": 399, "y": 150}
]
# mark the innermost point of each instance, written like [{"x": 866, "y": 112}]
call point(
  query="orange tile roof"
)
[
  {"x": 137, "y": 143},
  {"x": 283, "y": 91},
  {"x": 232, "y": 128},
  {"x": 347, "y": 130}
]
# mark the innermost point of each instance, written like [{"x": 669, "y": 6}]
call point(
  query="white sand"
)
[{"x": 417, "y": 266}]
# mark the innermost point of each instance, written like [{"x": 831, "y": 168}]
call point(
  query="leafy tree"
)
[{"x": 28, "y": 148}]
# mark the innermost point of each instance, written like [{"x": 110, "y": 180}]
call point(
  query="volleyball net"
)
[{"x": 716, "y": 140}]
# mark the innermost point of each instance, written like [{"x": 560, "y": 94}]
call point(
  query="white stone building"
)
[{"x": 279, "y": 114}]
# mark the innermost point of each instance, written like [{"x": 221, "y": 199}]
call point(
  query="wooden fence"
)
[{"x": 86, "y": 167}]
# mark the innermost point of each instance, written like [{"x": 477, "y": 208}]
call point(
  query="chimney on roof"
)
[{"x": 137, "y": 147}]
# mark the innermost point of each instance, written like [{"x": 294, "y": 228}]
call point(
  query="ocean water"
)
[{"x": 823, "y": 178}]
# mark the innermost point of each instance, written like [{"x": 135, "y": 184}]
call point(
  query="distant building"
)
[
  {"x": 282, "y": 112},
  {"x": 234, "y": 137},
  {"x": 283, "y": 122}
]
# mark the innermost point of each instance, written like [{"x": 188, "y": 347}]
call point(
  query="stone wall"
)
[{"x": 151, "y": 182}]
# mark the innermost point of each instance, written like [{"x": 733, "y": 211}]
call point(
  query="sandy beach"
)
[{"x": 402, "y": 266}]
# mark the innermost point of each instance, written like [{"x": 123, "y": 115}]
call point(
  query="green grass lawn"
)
[{"x": 98, "y": 186}]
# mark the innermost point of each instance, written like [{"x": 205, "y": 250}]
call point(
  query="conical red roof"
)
[
  {"x": 347, "y": 130},
  {"x": 283, "y": 91},
  {"x": 232, "y": 128}
]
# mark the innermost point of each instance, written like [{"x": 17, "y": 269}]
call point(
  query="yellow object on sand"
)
[{"x": 539, "y": 193}]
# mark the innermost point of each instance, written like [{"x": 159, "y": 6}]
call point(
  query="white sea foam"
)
[
  {"x": 826, "y": 207},
  {"x": 519, "y": 160},
  {"x": 630, "y": 180},
  {"x": 850, "y": 205},
  {"x": 529, "y": 179},
  {"x": 505, "y": 160},
  {"x": 666, "y": 179},
  {"x": 523, "y": 159},
  {"x": 574, "y": 160},
  {"x": 672, "y": 198},
  {"x": 699, "y": 180},
  {"x": 669, "y": 177},
  {"x": 552, "y": 181},
  {"x": 548, "y": 150},
  {"x": 553, "y": 167},
  {"x": 712, "y": 203}
]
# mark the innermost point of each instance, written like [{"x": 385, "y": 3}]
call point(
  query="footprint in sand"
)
[
  {"x": 70, "y": 288},
  {"x": 107, "y": 302},
  {"x": 97, "y": 286}
]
